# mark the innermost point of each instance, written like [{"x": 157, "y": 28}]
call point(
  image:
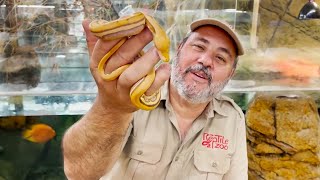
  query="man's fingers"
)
[
  {"x": 127, "y": 53},
  {"x": 91, "y": 39},
  {"x": 162, "y": 75},
  {"x": 97, "y": 47},
  {"x": 100, "y": 50},
  {"x": 138, "y": 69}
]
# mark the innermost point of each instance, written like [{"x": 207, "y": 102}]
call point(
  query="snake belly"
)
[{"x": 123, "y": 29}]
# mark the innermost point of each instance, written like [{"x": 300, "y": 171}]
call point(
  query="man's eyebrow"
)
[
  {"x": 202, "y": 40},
  {"x": 225, "y": 50}
]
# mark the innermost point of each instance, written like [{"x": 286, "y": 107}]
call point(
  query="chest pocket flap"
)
[
  {"x": 145, "y": 152},
  {"x": 211, "y": 161}
]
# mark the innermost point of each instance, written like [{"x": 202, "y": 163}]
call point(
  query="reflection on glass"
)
[{"x": 310, "y": 10}]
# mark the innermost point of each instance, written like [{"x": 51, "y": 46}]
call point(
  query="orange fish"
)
[{"x": 38, "y": 133}]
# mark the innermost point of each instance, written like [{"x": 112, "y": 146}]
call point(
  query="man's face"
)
[{"x": 204, "y": 64}]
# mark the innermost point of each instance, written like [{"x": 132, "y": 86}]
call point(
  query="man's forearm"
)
[{"x": 93, "y": 144}]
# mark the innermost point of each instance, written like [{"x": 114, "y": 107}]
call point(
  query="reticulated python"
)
[{"x": 123, "y": 29}]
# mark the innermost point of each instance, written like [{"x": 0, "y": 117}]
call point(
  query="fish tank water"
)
[
  {"x": 21, "y": 159},
  {"x": 46, "y": 86}
]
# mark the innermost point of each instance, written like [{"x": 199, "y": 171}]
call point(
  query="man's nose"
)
[{"x": 206, "y": 61}]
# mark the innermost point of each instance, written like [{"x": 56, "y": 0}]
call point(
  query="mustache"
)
[{"x": 200, "y": 67}]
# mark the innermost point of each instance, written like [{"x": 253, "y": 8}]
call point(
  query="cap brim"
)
[{"x": 227, "y": 28}]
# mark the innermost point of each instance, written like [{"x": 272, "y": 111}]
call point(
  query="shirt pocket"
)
[
  {"x": 144, "y": 158},
  {"x": 209, "y": 165}
]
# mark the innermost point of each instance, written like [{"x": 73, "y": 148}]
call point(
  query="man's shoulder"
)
[{"x": 229, "y": 105}]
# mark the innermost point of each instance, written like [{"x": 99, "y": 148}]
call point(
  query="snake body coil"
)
[{"x": 123, "y": 29}]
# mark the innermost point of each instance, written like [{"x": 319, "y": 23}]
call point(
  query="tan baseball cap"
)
[{"x": 223, "y": 25}]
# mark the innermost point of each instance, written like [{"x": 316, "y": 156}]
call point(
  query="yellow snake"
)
[{"x": 123, "y": 29}]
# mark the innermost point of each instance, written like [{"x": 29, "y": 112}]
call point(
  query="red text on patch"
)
[{"x": 214, "y": 141}]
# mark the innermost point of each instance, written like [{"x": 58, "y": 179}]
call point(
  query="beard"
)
[{"x": 189, "y": 91}]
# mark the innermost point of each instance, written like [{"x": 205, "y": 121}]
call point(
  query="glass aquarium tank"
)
[
  {"x": 21, "y": 158},
  {"x": 46, "y": 86}
]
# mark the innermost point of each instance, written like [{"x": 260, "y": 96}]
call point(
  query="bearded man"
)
[{"x": 194, "y": 133}]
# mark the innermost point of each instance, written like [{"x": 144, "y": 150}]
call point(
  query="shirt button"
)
[
  {"x": 140, "y": 152},
  {"x": 214, "y": 164},
  {"x": 177, "y": 158}
]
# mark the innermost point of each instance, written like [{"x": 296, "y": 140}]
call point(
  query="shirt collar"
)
[
  {"x": 216, "y": 106},
  {"x": 164, "y": 91},
  {"x": 164, "y": 99}
]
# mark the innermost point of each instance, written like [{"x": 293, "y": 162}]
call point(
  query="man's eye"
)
[
  {"x": 221, "y": 59},
  {"x": 198, "y": 47}
]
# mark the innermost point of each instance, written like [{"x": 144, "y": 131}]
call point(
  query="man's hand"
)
[
  {"x": 93, "y": 144},
  {"x": 114, "y": 95}
]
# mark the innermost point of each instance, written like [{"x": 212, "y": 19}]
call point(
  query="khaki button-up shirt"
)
[{"x": 214, "y": 147}]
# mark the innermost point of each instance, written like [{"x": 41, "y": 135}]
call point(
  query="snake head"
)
[
  {"x": 162, "y": 43},
  {"x": 160, "y": 38}
]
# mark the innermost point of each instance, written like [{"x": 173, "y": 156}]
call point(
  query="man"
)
[{"x": 194, "y": 133}]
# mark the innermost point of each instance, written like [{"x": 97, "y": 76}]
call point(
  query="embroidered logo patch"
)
[{"x": 214, "y": 141}]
